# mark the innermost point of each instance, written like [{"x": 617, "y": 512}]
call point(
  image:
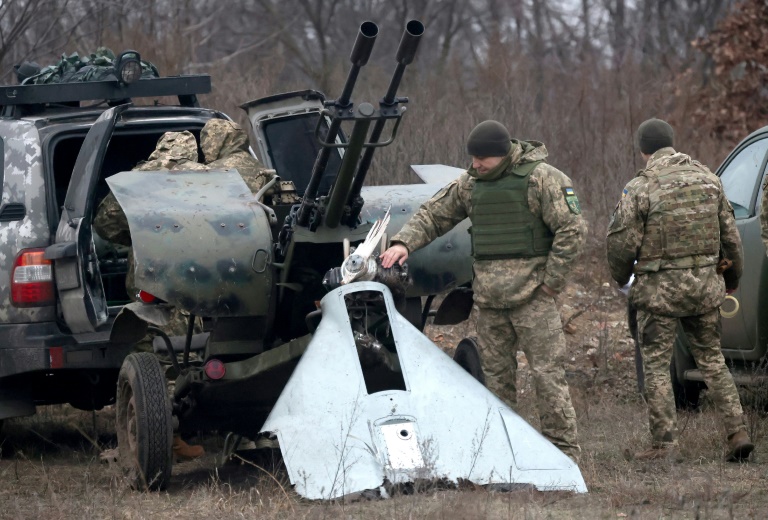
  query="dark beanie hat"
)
[
  {"x": 489, "y": 139},
  {"x": 653, "y": 135}
]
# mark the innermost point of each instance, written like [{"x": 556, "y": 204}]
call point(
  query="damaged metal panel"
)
[
  {"x": 337, "y": 438},
  {"x": 200, "y": 240}
]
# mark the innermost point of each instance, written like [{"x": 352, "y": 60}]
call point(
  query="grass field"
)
[{"x": 50, "y": 465}]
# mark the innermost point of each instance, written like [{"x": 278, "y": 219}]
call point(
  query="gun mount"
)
[{"x": 298, "y": 326}]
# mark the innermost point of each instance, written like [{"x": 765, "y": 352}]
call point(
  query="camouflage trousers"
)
[
  {"x": 534, "y": 327},
  {"x": 657, "y": 337}
]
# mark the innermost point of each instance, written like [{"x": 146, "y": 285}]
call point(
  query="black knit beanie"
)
[
  {"x": 653, "y": 135},
  {"x": 489, "y": 139}
]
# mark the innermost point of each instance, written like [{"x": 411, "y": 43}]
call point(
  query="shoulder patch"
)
[
  {"x": 624, "y": 193},
  {"x": 572, "y": 200}
]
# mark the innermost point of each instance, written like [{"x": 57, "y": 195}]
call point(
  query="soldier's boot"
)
[
  {"x": 670, "y": 453},
  {"x": 739, "y": 447},
  {"x": 183, "y": 451}
]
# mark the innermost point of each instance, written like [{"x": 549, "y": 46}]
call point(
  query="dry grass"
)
[{"x": 50, "y": 468}]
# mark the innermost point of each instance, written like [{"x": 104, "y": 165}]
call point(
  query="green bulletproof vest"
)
[
  {"x": 682, "y": 229},
  {"x": 502, "y": 223}
]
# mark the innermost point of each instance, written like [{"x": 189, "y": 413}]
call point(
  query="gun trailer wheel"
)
[
  {"x": 144, "y": 424},
  {"x": 467, "y": 355}
]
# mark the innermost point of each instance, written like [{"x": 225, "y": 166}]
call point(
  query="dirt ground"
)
[{"x": 50, "y": 465}]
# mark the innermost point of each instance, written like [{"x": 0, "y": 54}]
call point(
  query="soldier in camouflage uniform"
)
[
  {"x": 225, "y": 146},
  {"x": 527, "y": 231},
  {"x": 671, "y": 228}
]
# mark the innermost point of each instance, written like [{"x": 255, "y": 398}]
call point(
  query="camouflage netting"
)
[{"x": 98, "y": 66}]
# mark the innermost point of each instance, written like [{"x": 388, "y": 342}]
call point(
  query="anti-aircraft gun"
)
[{"x": 289, "y": 359}]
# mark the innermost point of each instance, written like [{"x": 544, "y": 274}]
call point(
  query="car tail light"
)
[
  {"x": 145, "y": 297},
  {"x": 214, "y": 369},
  {"x": 32, "y": 279}
]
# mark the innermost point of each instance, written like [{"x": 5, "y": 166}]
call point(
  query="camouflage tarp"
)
[{"x": 97, "y": 66}]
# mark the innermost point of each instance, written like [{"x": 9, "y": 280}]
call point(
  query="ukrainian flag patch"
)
[
  {"x": 624, "y": 193},
  {"x": 572, "y": 200}
]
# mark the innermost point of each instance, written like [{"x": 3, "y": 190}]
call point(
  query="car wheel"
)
[
  {"x": 144, "y": 423},
  {"x": 467, "y": 355},
  {"x": 686, "y": 392}
]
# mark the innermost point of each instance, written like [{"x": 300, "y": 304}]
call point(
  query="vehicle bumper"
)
[{"x": 31, "y": 347}]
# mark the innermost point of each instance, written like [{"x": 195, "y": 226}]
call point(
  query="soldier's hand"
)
[{"x": 398, "y": 253}]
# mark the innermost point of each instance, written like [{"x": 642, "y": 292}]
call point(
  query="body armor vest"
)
[
  {"x": 683, "y": 228},
  {"x": 502, "y": 223}
]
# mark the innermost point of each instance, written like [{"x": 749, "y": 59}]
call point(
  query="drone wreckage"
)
[{"x": 354, "y": 393}]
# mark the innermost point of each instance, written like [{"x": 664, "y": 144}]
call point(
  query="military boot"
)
[
  {"x": 670, "y": 453},
  {"x": 183, "y": 451},
  {"x": 739, "y": 447}
]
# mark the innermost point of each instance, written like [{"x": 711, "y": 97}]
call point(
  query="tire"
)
[
  {"x": 467, "y": 355},
  {"x": 413, "y": 312},
  {"x": 686, "y": 392},
  {"x": 144, "y": 423}
]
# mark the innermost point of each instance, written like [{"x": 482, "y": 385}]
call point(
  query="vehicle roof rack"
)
[{"x": 16, "y": 98}]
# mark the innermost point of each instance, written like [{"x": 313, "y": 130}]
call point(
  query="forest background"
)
[{"x": 579, "y": 75}]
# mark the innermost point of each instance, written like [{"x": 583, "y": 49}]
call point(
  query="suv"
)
[{"x": 56, "y": 344}]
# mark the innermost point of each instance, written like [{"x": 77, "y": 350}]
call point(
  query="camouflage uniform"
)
[
  {"x": 225, "y": 146},
  {"x": 513, "y": 313},
  {"x": 672, "y": 287}
]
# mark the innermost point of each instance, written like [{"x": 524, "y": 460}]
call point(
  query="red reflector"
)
[
  {"x": 32, "y": 294},
  {"x": 32, "y": 279},
  {"x": 215, "y": 369},
  {"x": 57, "y": 357},
  {"x": 146, "y": 297}
]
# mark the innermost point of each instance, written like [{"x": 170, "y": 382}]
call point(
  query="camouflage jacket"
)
[
  {"x": 510, "y": 282},
  {"x": 669, "y": 291},
  {"x": 174, "y": 151},
  {"x": 225, "y": 146}
]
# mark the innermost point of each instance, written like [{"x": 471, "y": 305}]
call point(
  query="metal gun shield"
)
[{"x": 200, "y": 240}]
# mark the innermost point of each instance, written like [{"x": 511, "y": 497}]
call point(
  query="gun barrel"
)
[
  {"x": 361, "y": 51},
  {"x": 366, "y": 37},
  {"x": 409, "y": 42},
  {"x": 405, "y": 54},
  {"x": 406, "y": 51}
]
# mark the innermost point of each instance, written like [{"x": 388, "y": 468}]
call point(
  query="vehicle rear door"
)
[{"x": 76, "y": 267}]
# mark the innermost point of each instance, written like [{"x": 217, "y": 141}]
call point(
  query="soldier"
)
[
  {"x": 527, "y": 231},
  {"x": 174, "y": 151},
  {"x": 225, "y": 146},
  {"x": 672, "y": 227}
]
